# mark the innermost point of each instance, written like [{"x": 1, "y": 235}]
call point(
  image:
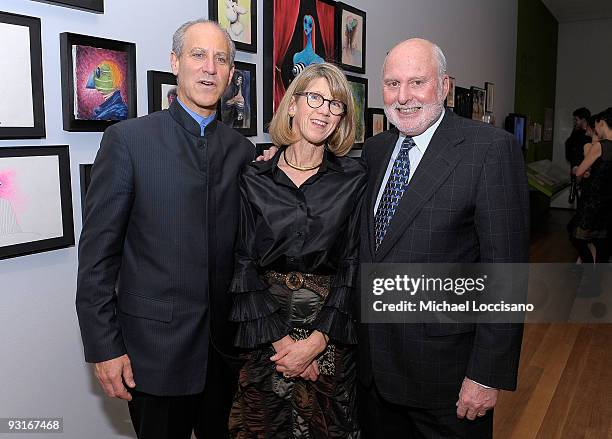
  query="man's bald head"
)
[{"x": 422, "y": 45}]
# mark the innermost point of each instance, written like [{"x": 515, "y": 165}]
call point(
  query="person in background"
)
[{"x": 594, "y": 213}]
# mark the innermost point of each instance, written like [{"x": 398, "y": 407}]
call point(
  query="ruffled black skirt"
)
[{"x": 269, "y": 406}]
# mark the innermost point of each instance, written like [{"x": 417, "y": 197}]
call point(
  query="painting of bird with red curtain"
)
[{"x": 297, "y": 33}]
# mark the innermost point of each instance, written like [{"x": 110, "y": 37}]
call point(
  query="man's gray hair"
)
[
  {"x": 441, "y": 59},
  {"x": 178, "y": 39}
]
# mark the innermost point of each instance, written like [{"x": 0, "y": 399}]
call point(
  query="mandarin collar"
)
[{"x": 185, "y": 120}]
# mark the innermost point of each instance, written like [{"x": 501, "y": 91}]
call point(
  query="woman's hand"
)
[
  {"x": 292, "y": 360},
  {"x": 311, "y": 373},
  {"x": 281, "y": 344}
]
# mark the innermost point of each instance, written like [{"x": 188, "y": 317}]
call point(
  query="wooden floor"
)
[{"x": 565, "y": 376}]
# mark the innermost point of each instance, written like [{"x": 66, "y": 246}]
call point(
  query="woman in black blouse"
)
[{"x": 296, "y": 269}]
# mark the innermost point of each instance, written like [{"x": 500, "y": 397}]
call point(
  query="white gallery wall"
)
[
  {"x": 584, "y": 66},
  {"x": 42, "y": 371}
]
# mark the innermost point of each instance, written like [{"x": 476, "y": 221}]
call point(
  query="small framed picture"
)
[
  {"x": 239, "y": 18},
  {"x": 85, "y": 179},
  {"x": 22, "y": 112},
  {"x": 351, "y": 37},
  {"x": 162, "y": 90},
  {"x": 376, "y": 122},
  {"x": 35, "y": 200},
  {"x": 478, "y": 103},
  {"x": 98, "y": 81},
  {"x": 359, "y": 87},
  {"x": 238, "y": 105},
  {"x": 450, "y": 98},
  {"x": 295, "y": 35},
  {"x": 490, "y": 92},
  {"x": 96, "y": 6}
]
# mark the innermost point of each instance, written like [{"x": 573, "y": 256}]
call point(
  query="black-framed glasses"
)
[{"x": 315, "y": 100}]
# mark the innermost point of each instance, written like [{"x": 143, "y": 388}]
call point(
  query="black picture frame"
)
[
  {"x": 96, "y": 6},
  {"x": 85, "y": 179},
  {"x": 490, "y": 96},
  {"x": 67, "y": 42},
  {"x": 463, "y": 102},
  {"x": 10, "y": 129},
  {"x": 213, "y": 14},
  {"x": 478, "y": 103},
  {"x": 370, "y": 113},
  {"x": 156, "y": 81},
  {"x": 285, "y": 69},
  {"x": 13, "y": 232},
  {"x": 360, "y": 108},
  {"x": 228, "y": 114},
  {"x": 341, "y": 32}
]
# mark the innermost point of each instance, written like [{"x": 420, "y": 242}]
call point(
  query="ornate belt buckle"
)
[{"x": 294, "y": 280}]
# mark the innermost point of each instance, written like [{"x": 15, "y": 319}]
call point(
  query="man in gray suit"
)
[
  {"x": 441, "y": 189},
  {"x": 156, "y": 250}
]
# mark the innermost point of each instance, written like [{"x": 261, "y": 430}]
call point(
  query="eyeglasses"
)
[{"x": 315, "y": 100}]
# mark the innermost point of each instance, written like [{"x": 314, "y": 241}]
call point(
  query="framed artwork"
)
[
  {"x": 238, "y": 105},
  {"x": 296, "y": 34},
  {"x": 35, "y": 200},
  {"x": 261, "y": 147},
  {"x": 22, "y": 108},
  {"x": 98, "y": 82},
  {"x": 376, "y": 122},
  {"x": 85, "y": 5},
  {"x": 239, "y": 18},
  {"x": 463, "y": 102},
  {"x": 351, "y": 37},
  {"x": 450, "y": 98},
  {"x": 360, "y": 95},
  {"x": 85, "y": 176},
  {"x": 162, "y": 90},
  {"x": 490, "y": 92},
  {"x": 478, "y": 103}
]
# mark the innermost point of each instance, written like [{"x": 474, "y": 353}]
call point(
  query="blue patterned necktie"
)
[{"x": 396, "y": 185}]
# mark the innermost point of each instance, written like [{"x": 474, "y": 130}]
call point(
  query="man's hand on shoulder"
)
[
  {"x": 267, "y": 154},
  {"x": 475, "y": 399},
  {"x": 112, "y": 374}
]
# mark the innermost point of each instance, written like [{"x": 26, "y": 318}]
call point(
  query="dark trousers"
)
[
  {"x": 175, "y": 417},
  {"x": 383, "y": 420}
]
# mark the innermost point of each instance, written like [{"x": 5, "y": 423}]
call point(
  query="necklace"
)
[{"x": 300, "y": 168}]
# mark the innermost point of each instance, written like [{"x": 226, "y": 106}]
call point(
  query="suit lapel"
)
[
  {"x": 383, "y": 149},
  {"x": 437, "y": 163}
]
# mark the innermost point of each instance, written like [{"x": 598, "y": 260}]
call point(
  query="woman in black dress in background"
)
[
  {"x": 594, "y": 214},
  {"x": 296, "y": 269}
]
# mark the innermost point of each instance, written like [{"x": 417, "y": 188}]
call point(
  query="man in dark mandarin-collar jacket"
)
[
  {"x": 156, "y": 250},
  {"x": 466, "y": 201}
]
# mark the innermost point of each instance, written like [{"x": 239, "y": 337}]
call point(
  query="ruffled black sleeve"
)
[
  {"x": 254, "y": 308},
  {"x": 335, "y": 317}
]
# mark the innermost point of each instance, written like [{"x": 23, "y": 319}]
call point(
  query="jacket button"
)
[{"x": 202, "y": 145}]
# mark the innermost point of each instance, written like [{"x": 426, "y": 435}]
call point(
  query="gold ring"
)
[
  {"x": 481, "y": 414},
  {"x": 286, "y": 375}
]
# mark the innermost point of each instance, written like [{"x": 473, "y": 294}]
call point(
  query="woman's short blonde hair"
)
[{"x": 342, "y": 139}]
